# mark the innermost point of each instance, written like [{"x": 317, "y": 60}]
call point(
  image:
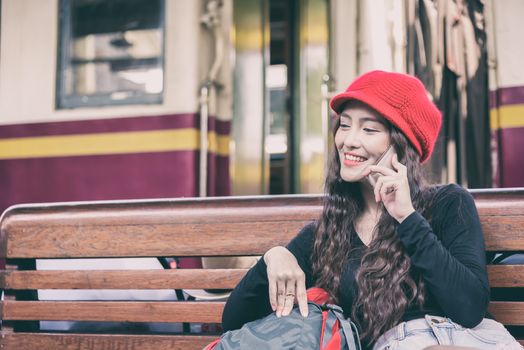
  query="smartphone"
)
[{"x": 385, "y": 161}]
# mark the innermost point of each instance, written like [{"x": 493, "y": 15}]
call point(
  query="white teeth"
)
[{"x": 354, "y": 158}]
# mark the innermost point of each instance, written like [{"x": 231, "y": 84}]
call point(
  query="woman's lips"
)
[{"x": 353, "y": 160}]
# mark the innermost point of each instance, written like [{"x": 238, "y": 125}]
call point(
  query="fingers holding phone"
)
[
  {"x": 390, "y": 185},
  {"x": 385, "y": 161}
]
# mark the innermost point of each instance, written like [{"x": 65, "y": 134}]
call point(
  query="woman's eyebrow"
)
[
  {"x": 364, "y": 119},
  {"x": 370, "y": 119}
]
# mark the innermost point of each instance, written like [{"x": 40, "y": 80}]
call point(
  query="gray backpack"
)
[{"x": 325, "y": 328}]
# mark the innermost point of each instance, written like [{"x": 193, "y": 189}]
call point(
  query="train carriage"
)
[{"x": 114, "y": 99}]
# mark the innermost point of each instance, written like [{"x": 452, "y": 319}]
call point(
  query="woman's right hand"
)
[{"x": 287, "y": 281}]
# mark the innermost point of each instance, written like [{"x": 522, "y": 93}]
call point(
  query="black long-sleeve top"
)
[{"x": 449, "y": 252}]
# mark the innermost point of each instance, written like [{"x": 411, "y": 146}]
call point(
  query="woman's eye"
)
[
  {"x": 345, "y": 126},
  {"x": 370, "y": 130}
]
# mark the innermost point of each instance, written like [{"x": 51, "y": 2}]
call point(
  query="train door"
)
[{"x": 280, "y": 114}]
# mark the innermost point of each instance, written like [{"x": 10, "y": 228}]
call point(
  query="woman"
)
[{"x": 403, "y": 259}]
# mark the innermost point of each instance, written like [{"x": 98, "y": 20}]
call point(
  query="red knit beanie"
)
[{"x": 402, "y": 100}]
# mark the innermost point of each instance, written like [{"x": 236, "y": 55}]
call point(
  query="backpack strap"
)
[
  {"x": 328, "y": 327},
  {"x": 347, "y": 326}
]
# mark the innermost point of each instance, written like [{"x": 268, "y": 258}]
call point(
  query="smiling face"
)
[{"x": 362, "y": 137}]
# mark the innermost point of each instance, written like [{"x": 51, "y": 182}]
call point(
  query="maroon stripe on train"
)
[
  {"x": 126, "y": 176},
  {"x": 222, "y": 127},
  {"x": 511, "y": 142},
  {"x": 159, "y": 122},
  {"x": 506, "y": 96}
]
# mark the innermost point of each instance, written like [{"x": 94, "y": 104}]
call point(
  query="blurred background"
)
[{"x": 119, "y": 99}]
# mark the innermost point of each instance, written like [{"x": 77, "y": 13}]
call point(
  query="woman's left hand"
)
[{"x": 392, "y": 189}]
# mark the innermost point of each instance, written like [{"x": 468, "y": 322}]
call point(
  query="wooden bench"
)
[{"x": 181, "y": 227}]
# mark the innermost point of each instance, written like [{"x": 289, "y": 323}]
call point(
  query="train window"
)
[{"x": 111, "y": 52}]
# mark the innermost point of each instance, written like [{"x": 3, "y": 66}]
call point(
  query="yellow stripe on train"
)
[
  {"x": 111, "y": 143},
  {"x": 509, "y": 116}
]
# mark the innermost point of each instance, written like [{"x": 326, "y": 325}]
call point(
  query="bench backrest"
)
[{"x": 183, "y": 227}]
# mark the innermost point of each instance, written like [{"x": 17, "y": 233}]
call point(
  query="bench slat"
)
[
  {"x": 496, "y": 229},
  {"x": 117, "y": 311},
  {"x": 508, "y": 312},
  {"x": 127, "y": 228},
  {"x": 506, "y": 276},
  {"x": 196, "y": 239},
  {"x": 121, "y": 233},
  {"x": 151, "y": 240},
  {"x": 499, "y": 276},
  {"x": 50, "y": 341},
  {"x": 122, "y": 279},
  {"x": 143, "y": 228}
]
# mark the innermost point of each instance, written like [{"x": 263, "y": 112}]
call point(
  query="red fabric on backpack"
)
[
  {"x": 334, "y": 343},
  {"x": 320, "y": 296},
  {"x": 212, "y": 345},
  {"x": 317, "y": 295},
  {"x": 324, "y": 319}
]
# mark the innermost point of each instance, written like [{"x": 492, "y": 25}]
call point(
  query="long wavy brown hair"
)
[{"x": 385, "y": 286}]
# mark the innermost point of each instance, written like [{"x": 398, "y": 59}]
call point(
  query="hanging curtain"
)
[{"x": 447, "y": 51}]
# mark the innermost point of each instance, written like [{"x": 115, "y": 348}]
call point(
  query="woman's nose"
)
[{"x": 352, "y": 139}]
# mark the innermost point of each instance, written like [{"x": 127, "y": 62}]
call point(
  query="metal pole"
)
[
  {"x": 204, "y": 117},
  {"x": 211, "y": 20}
]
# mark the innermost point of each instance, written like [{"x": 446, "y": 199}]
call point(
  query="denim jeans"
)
[{"x": 435, "y": 330}]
